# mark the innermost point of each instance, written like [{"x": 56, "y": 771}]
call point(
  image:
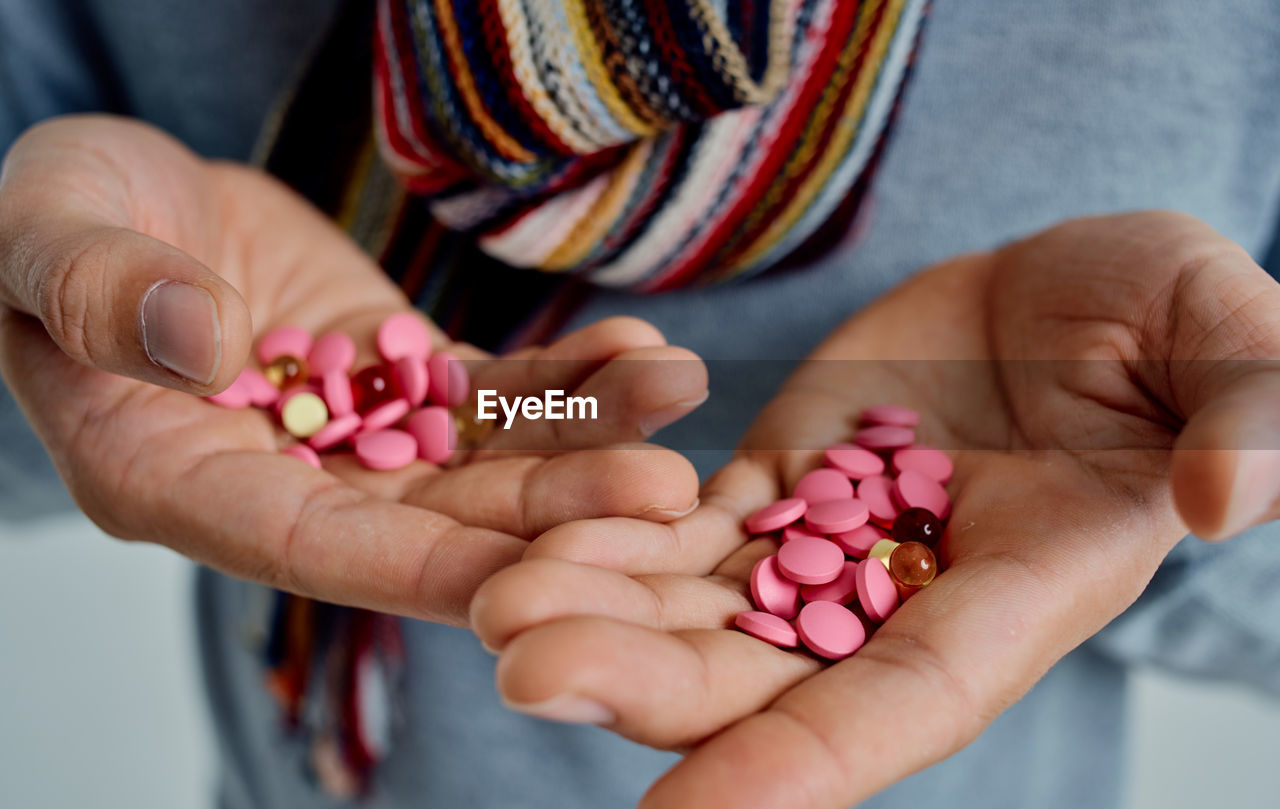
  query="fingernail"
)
[
  {"x": 568, "y": 708},
  {"x": 658, "y": 419},
  {"x": 672, "y": 513},
  {"x": 181, "y": 332},
  {"x": 1254, "y": 490}
]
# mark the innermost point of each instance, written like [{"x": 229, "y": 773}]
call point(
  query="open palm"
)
[
  {"x": 1101, "y": 387},
  {"x": 95, "y": 211}
]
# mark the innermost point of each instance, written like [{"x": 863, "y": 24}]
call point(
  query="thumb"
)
[
  {"x": 110, "y": 296},
  {"x": 1226, "y": 464}
]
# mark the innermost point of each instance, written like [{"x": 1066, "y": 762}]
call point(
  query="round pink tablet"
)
[
  {"x": 335, "y": 432},
  {"x": 834, "y": 516},
  {"x": 772, "y": 591},
  {"x": 335, "y": 389},
  {"x": 261, "y": 392},
  {"x": 796, "y": 532},
  {"x": 884, "y": 437},
  {"x": 776, "y": 515},
  {"x": 449, "y": 382},
  {"x": 411, "y": 373},
  {"x": 821, "y": 485},
  {"x": 235, "y": 397},
  {"x": 876, "y": 493},
  {"x": 891, "y": 416},
  {"x": 386, "y": 449},
  {"x": 334, "y": 351},
  {"x": 403, "y": 335},
  {"x": 303, "y": 453},
  {"x": 912, "y": 489},
  {"x": 930, "y": 462},
  {"x": 876, "y": 593},
  {"x": 858, "y": 542},
  {"x": 842, "y": 589},
  {"x": 286, "y": 340},
  {"x": 830, "y": 630},
  {"x": 385, "y": 415},
  {"x": 810, "y": 561},
  {"x": 436, "y": 433},
  {"x": 768, "y": 628},
  {"x": 855, "y": 462}
]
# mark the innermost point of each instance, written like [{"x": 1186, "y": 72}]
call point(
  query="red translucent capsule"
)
[
  {"x": 374, "y": 386},
  {"x": 917, "y": 525}
]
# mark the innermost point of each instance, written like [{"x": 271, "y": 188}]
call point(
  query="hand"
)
[
  {"x": 96, "y": 212},
  {"x": 1074, "y": 478}
]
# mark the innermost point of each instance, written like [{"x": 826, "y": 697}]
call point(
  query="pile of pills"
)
[
  {"x": 857, "y": 539},
  {"x": 381, "y": 411}
]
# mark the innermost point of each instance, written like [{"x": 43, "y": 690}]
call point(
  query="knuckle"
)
[{"x": 66, "y": 294}]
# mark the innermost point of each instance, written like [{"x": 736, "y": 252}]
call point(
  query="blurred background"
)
[{"x": 101, "y": 706}]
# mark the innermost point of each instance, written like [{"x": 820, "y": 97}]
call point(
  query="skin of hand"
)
[
  {"x": 99, "y": 214},
  {"x": 1102, "y": 387}
]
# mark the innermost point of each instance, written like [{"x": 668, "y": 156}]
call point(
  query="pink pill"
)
[
  {"x": 335, "y": 432},
  {"x": 289, "y": 341},
  {"x": 876, "y": 592},
  {"x": 436, "y": 433},
  {"x": 830, "y": 630},
  {"x": 796, "y": 532},
  {"x": 930, "y": 462},
  {"x": 876, "y": 492},
  {"x": 855, "y": 462},
  {"x": 884, "y": 437},
  {"x": 450, "y": 384},
  {"x": 403, "y": 335},
  {"x": 384, "y": 416},
  {"x": 835, "y": 516},
  {"x": 891, "y": 416},
  {"x": 261, "y": 392},
  {"x": 773, "y": 592},
  {"x": 303, "y": 453},
  {"x": 386, "y": 449},
  {"x": 821, "y": 485},
  {"x": 914, "y": 490},
  {"x": 810, "y": 561},
  {"x": 842, "y": 589},
  {"x": 411, "y": 373},
  {"x": 235, "y": 397},
  {"x": 776, "y": 515},
  {"x": 335, "y": 389},
  {"x": 334, "y": 351},
  {"x": 768, "y": 628},
  {"x": 858, "y": 542}
]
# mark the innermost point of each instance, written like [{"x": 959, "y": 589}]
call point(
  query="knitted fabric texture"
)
[{"x": 645, "y": 144}]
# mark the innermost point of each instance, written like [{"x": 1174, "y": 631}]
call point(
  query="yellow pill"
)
[
  {"x": 304, "y": 415},
  {"x": 882, "y": 550}
]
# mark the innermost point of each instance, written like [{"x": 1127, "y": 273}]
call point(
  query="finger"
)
[
  {"x": 667, "y": 690},
  {"x": 629, "y": 398},
  {"x": 540, "y": 591},
  {"x": 525, "y": 496},
  {"x": 1225, "y": 376},
  {"x": 693, "y": 545},
  {"x": 569, "y": 361},
  {"x": 72, "y": 255}
]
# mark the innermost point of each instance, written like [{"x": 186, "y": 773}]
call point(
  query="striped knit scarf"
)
[{"x": 646, "y": 144}]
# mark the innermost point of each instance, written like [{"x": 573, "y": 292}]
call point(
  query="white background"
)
[{"x": 100, "y": 704}]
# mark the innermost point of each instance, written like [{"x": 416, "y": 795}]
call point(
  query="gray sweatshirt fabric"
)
[{"x": 1020, "y": 114}]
